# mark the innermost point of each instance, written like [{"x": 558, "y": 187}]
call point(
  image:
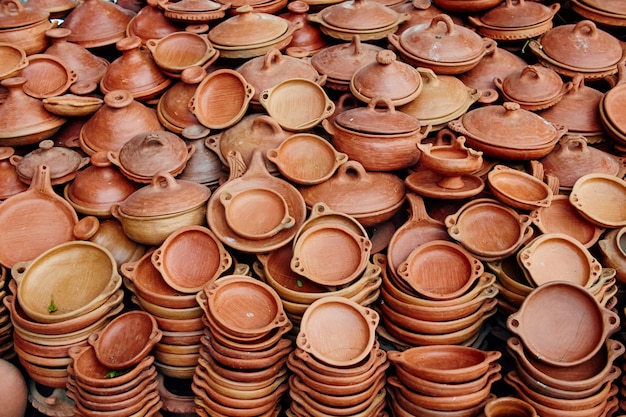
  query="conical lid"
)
[{"x": 248, "y": 28}]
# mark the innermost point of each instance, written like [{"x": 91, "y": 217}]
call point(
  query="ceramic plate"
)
[{"x": 601, "y": 199}]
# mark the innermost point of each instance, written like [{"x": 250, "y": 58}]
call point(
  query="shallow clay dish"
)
[
  {"x": 337, "y": 331},
  {"x": 179, "y": 50},
  {"x": 13, "y": 59},
  {"x": 294, "y": 158},
  {"x": 126, "y": 340},
  {"x": 301, "y": 93},
  {"x": 47, "y": 76},
  {"x": 70, "y": 105},
  {"x": 191, "y": 257},
  {"x": 330, "y": 255},
  {"x": 518, "y": 189},
  {"x": 599, "y": 198},
  {"x": 221, "y": 99},
  {"x": 445, "y": 364},
  {"x": 440, "y": 269},
  {"x": 256, "y": 213},
  {"x": 558, "y": 257},
  {"x": 552, "y": 318}
]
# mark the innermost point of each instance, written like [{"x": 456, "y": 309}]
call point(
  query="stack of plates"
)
[{"x": 6, "y": 326}]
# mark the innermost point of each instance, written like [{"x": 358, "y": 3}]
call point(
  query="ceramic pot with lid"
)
[
  {"x": 204, "y": 167},
  {"x": 63, "y": 162},
  {"x": 377, "y": 136},
  {"x": 10, "y": 183},
  {"x": 24, "y": 26},
  {"x": 173, "y": 107},
  {"x": 308, "y": 40},
  {"x": 193, "y": 11},
  {"x": 150, "y": 23},
  {"x": 497, "y": 62},
  {"x": 533, "y": 87}
]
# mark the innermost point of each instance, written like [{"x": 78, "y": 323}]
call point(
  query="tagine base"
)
[{"x": 426, "y": 183}]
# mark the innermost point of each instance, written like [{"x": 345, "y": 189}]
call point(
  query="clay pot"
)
[
  {"x": 25, "y": 121},
  {"x": 534, "y": 87},
  {"x": 370, "y": 197},
  {"x": 150, "y": 23},
  {"x": 497, "y": 62},
  {"x": 204, "y": 167},
  {"x": 613, "y": 251},
  {"x": 421, "y": 11},
  {"x": 10, "y": 183},
  {"x": 109, "y": 19},
  {"x": 14, "y": 59},
  {"x": 378, "y": 136},
  {"x": 96, "y": 188},
  {"x": 177, "y": 51},
  {"x": 70, "y": 105},
  {"x": 192, "y": 11},
  {"x": 462, "y": 6},
  {"x": 509, "y": 406},
  {"x": 24, "y": 26},
  {"x": 518, "y": 189},
  {"x": 308, "y": 40},
  {"x": 15, "y": 395},
  {"x": 152, "y": 212},
  {"x": 89, "y": 68},
  {"x": 120, "y": 119},
  {"x": 147, "y": 80},
  {"x": 595, "y": 195},
  {"x": 173, "y": 107}
]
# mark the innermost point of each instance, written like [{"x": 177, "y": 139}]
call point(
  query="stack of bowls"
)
[
  {"x": 558, "y": 372},
  {"x": 241, "y": 369},
  {"x": 50, "y": 312},
  {"x": 6, "y": 326},
  {"x": 338, "y": 367},
  {"x": 442, "y": 379},
  {"x": 98, "y": 390},
  {"x": 121, "y": 346},
  {"x": 412, "y": 319}
]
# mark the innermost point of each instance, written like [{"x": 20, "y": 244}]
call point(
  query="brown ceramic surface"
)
[
  {"x": 47, "y": 76},
  {"x": 518, "y": 189},
  {"x": 110, "y": 19},
  {"x": 597, "y": 196}
]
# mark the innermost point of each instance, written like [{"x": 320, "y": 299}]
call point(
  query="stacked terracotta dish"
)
[
  {"x": 7, "y": 350},
  {"x": 241, "y": 368},
  {"x": 49, "y": 317},
  {"x": 600, "y": 11},
  {"x": 442, "y": 380},
  {"x": 338, "y": 366},
  {"x": 555, "y": 380}
]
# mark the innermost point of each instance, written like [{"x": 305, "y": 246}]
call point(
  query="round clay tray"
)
[
  {"x": 13, "y": 58},
  {"x": 518, "y": 189},
  {"x": 440, "y": 269},
  {"x": 557, "y": 256},
  {"x": 191, "y": 257},
  {"x": 47, "y": 76},
  {"x": 221, "y": 99},
  {"x": 256, "y": 213},
  {"x": 337, "y": 331},
  {"x": 552, "y": 319},
  {"x": 297, "y": 93},
  {"x": 70, "y": 105},
  {"x": 330, "y": 255},
  {"x": 600, "y": 199},
  {"x": 244, "y": 305}
]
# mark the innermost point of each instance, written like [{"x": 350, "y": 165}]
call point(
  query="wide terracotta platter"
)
[
  {"x": 600, "y": 199},
  {"x": 47, "y": 76}
]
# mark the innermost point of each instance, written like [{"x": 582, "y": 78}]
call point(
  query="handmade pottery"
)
[
  {"x": 497, "y": 62},
  {"x": 308, "y": 40},
  {"x": 612, "y": 251},
  {"x": 24, "y": 26},
  {"x": 509, "y": 406},
  {"x": 53, "y": 70},
  {"x": 10, "y": 184},
  {"x": 177, "y": 51},
  {"x": 518, "y": 189},
  {"x": 150, "y": 23},
  {"x": 533, "y": 87},
  {"x": 16, "y": 393},
  {"x": 193, "y": 11},
  {"x": 70, "y": 105},
  {"x": 13, "y": 58},
  {"x": 596, "y": 197}
]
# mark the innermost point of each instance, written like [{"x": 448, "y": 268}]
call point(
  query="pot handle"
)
[
  {"x": 615, "y": 349},
  {"x": 267, "y": 120},
  {"x": 571, "y": 143},
  {"x": 417, "y": 207},
  {"x": 380, "y": 101},
  {"x": 272, "y": 58},
  {"x": 513, "y": 323},
  {"x": 394, "y": 40},
  {"x": 447, "y": 21},
  {"x": 15, "y": 160},
  {"x": 163, "y": 179},
  {"x": 350, "y": 168},
  {"x": 41, "y": 180},
  {"x": 585, "y": 28},
  {"x": 12, "y": 7},
  {"x": 76, "y": 351},
  {"x": 93, "y": 339},
  {"x": 394, "y": 356},
  {"x": 611, "y": 322},
  {"x": 18, "y": 270},
  {"x": 114, "y": 158}
]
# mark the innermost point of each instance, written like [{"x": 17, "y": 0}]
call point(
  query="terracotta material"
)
[
  {"x": 497, "y": 62},
  {"x": 13, "y": 59},
  {"x": 115, "y": 354},
  {"x": 147, "y": 80},
  {"x": 613, "y": 251},
  {"x": 534, "y": 87},
  {"x": 173, "y": 107},
  {"x": 53, "y": 300},
  {"x": 10, "y": 184},
  {"x": 181, "y": 269},
  {"x": 109, "y": 19},
  {"x": 405, "y": 408},
  {"x": 345, "y": 401},
  {"x": 342, "y": 342},
  {"x": 221, "y": 99},
  {"x": 280, "y": 99},
  {"x": 150, "y": 23},
  {"x": 191, "y": 11},
  {"x": 204, "y": 167},
  {"x": 179, "y": 50},
  {"x": 518, "y": 189},
  {"x": 308, "y": 40},
  {"x": 15, "y": 395},
  {"x": 70, "y": 105},
  {"x": 466, "y": 6},
  {"x": 558, "y": 252},
  {"x": 49, "y": 214},
  {"x": 596, "y": 197},
  {"x": 96, "y": 188},
  {"x": 445, "y": 364},
  {"x": 25, "y": 121},
  {"x": 111, "y": 403},
  {"x": 24, "y": 26},
  {"x": 258, "y": 376},
  {"x": 58, "y": 76},
  {"x": 579, "y": 312},
  {"x": 509, "y": 406},
  {"x": 120, "y": 119},
  {"x": 303, "y": 404}
]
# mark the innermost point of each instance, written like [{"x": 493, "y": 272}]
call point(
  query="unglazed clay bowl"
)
[
  {"x": 509, "y": 407},
  {"x": 246, "y": 376},
  {"x": 126, "y": 340},
  {"x": 554, "y": 315},
  {"x": 165, "y": 312},
  {"x": 598, "y": 198},
  {"x": 357, "y": 369},
  {"x": 339, "y": 342},
  {"x": 445, "y": 364},
  {"x": 70, "y": 105},
  {"x": 402, "y": 407},
  {"x": 518, "y": 189},
  {"x": 179, "y": 50},
  {"x": 247, "y": 364},
  {"x": 102, "y": 399}
]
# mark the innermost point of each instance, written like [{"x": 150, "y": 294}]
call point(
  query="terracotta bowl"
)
[
  {"x": 445, "y": 364},
  {"x": 182, "y": 338},
  {"x": 339, "y": 342},
  {"x": 48, "y": 291},
  {"x": 597, "y": 197},
  {"x": 293, "y": 157},
  {"x": 147, "y": 402},
  {"x": 147, "y": 374},
  {"x": 263, "y": 343},
  {"x": 280, "y": 100},
  {"x": 179, "y": 50},
  {"x": 511, "y": 275},
  {"x": 148, "y": 283},
  {"x": 145, "y": 383},
  {"x": 360, "y": 368},
  {"x": 518, "y": 189},
  {"x": 179, "y": 325},
  {"x": 47, "y": 76},
  {"x": 244, "y": 389},
  {"x": 126, "y": 340},
  {"x": 312, "y": 407},
  {"x": 509, "y": 406},
  {"x": 424, "y": 270},
  {"x": 243, "y": 375},
  {"x": 70, "y": 105},
  {"x": 181, "y": 360},
  {"x": 553, "y": 316},
  {"x": 13, "y": 59},
  {"x": 166, "y": 312},
  {"x": 185, "y": 272},
  {"x": 174, "y": 371},
  {"x": 344, "y": 401},
  {"x": 235, "y": 354},
  {"x": 322, "y": 213},
  {"x": 402, "y": 407},
  {"x": 245, "y": 363}
]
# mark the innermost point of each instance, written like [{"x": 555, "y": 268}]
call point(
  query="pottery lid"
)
[
  {"x": 441, "y": 40},
  {"x": 194, "y": 6},
  {"x": 359, "y": 15},
  {"x": 609, "y": 6},
  {"x": 507, "y": 126},
  {"x": 248, "y": 28},
  {"x": 532, "y": 83},
  {"x": 143, "y": 153},
  {"x": 164, "y": 195},
  {"x": 62, "y": 161},
  {"x": 517, "y": 14},
  {"x": 582, "y": 45},
  {"x": 340, "y": 61},
  {"x": 379, "y": 117},
  {"x": 14, "y": 14}
]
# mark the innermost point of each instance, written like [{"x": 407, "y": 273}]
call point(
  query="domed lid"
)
[
  {"x": 248, "y": 28},
  {"x": 164, "y": 195},
  {"x": 150, "y": 152},
  {"x": 96, "y": 23},
  {"x": 582, "y": 45},
  {"x": 194, "y": 6},
  {"x": 62, "y": 161},
  {"x": 14, "y": 14},
  {"x": 359, "y": 15},
  {"x": 379, "y": 117},
  {"x": 533, "y": 83},
  {"x": 517, "y": 14},
  {"x": 340, "y": 62},
  {"x": 609, "y": 6},
  {"x": 507, "y": 126},
  {"x": 442, "y": 40},
  {"x": 387, "y": 77}
]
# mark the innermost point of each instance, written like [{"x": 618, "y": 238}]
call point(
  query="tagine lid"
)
[
  {"x": 248, "y": 28},
  {"x": 359, "y": 15}
]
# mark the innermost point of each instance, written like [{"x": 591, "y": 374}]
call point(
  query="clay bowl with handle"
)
[
  {"x": 245, "y": 363},
  {"x": 518, "y": 189},
  {"x": 331, "y": 400},
  {"x": 597, "y": 197},
  {"x": 177, "y": 51},
  {"x": 402, "y": 407}
]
